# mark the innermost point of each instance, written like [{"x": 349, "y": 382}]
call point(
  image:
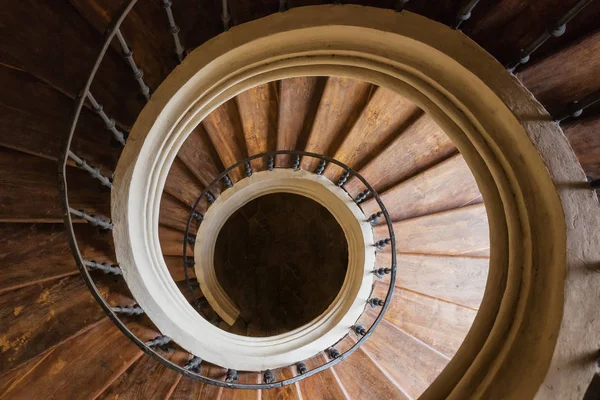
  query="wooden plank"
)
[
  {"x": 258, "y": 108},
  {"x": 446, "y": 186},
  {"x": 299, "y": 99},
  {"x": 145, "y": 29},
  {"x": 557, "y": 90},
  {"x": 455, "y": 279},
  {"x": 189, "y": 389},
  {"x": 30, "y": 125},
  {"x": 385, "y": 115},
  {"x": 342, "y": 102},
  {"x": 288, "y": 392},
  {"x": 441, "y": 325},
  {"x": 182, "y": 184},
  {"x": 147, "y": 379},
  {"x": 422, "y": 145},
  {"x": 323, "y": 385},
  {"x": 80, "y": 368},
  {"x": 35, "y": 253},
  {"x": 72, "y": 50},
  {"x": 199, "y": 156},
  {"x": 36, "y": 318},
  {"x": 23, "y": 176},
  {"x": 11, "y": 379},
  {"x": 236, "y": 394},
  {"x": 410, "y": 363},
  {"x": 461, "y": 231},
  {"x": 225, "y": 131},
  {"x": 363, "y": 379},
  {"x": 175, "y": 215},
  {"x": 175, "y": 265},
  {"x": 582, "y": 135},
  {"x": 171, "y": 242}
]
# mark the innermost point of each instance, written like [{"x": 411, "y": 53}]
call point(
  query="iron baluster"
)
[
  {"x": 283, "y": 5},
  {"x": 227, "y": 181},
  {"x": 343, "y": 179},
  {"x": 191, "y": 240},
  {"x": 93, "y": 219},
  {"x": 465, "y": 12},
  {"x": 271, "y": 163},
  {"x": 128, "y": 310},
  {"x": 321, "y": 167},
  {"x": 374, "y": 218},
  {"x": 375, "y": 302},
  {"x": 95, "y": 172},
  {"x": 225, "y": 17},
  {"x": 296, "y": 165},
  {"x": 194, "y": 364},
  {"x": 362, "y": 196},
  {"x": 159, "y": 341},
  {"x": 268, "y": 376},
  {"x": 109, "y": 123},
  {"x": 104, "y": 267},
  {"x": 197, "y": 216},
  {"x": 577, "y": 108},
  {"x": 380, "y": 272},
  {"x": 248, "y": 169},
  {"x": 209, "y": 196},
  {"x": 231, "y": 376},
  {"x": 333, "y": 353},
  {"x": 138, "y": 74},
  {"x": 301, "y": 368},
  {"x": 381, "y": 244},
  {"x": 174, "y": 29},
  {"x": 359, "y": 330}
]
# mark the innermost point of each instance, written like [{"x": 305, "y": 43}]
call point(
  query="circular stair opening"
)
[{"x": 282, "y": 258}]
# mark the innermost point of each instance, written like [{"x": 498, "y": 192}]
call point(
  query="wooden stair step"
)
[
  {"x": 171, "y": 242},
  {"x": 175, "y": 265},
  {"x": 557, "y": 90},
  {"x": 288, "y": 392},
  {"x": 27, "y": 123},
  {"x": 175, "y": 215},
  {"x": 363, "y": 379},
  {"x": 225, "y": 131},
  {"x": 74, "y": 50},
  {"x": 422, "y": 145},
  {"x": 145, "y": 31},
  {"x": 410, "y": 363},
  {"x": 147, "y": 379},
  {"x": 455, "y": 279},
  {"x": 441, "y": 325},
  {"x": 582, "y": 135},
  {"x": 237, "y": 394},
  {"x": 325, "y": 385},
  {"x": 200, "y": 157},
  {"x": 298, "y": 101},
  {"x": 182, "y": 184},
  {"x": 35, "y": 253},
  {"x": 463, "y": 231},
  {"x": 38, "y": 317},
  {"x": 258, "y": 108},
  {"x": 82, "y": 367},
  {"x": 190, "y": 389},
  {"x": 444, "y": 187},
  {"x": 385, "y": 115},
  {"x": 23, "y": 176},
  {"x": 342, "y": 101},
  {"x": 12, "y": 378}
]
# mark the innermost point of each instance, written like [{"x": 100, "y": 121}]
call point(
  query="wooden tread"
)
[
  {"x": 324, "y": 385},
  {"x": 199, "y": 156},
  {"x": 585, "y": 143}
]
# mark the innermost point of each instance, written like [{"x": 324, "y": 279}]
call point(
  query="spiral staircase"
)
[{"x": 311, "y": 205}]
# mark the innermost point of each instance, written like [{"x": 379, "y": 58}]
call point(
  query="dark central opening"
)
[{"x": 282, "y": 258}]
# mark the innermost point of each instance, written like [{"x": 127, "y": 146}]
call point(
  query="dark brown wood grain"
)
[
  {"x": 342, "y": 101},
  {"x": 182, "y": 184},
  {"x": 408, "y": 362},
  {"x": 175, "y": 214},
  {"x": 422, "y": 145},
  {"x": 34, "y": 118},
  {"x": 583, "y": 136},
  {"x": 576, "y": 80},
  {"x": 34, "y": 253},
  {"x": 298, "y": 102},
  {"x": 199, "y": 156},
  {"x": 171, "y": 242},
  {"x": 23, "y": 176},
  {"x": 236, "y": 394},
  {"x": 385, "y": 116},
  {"x": 258, "y": 107},
  {"x": 288, "y": 392},
  {"x": 64, "y": 58},
  {"x": 323, "y": 385},
  {"x": 363, "y": 379},
  {"x": 147, "y": 379},
  {"x": 446, "y": 186},
  {"x": 225, "y": 131},
  {"x": 80, "y": 368}
]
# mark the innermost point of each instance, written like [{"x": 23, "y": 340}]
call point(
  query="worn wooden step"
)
[
  {"x": 298, "y": 101},
  {"x": 454, "y": 279},
  {"x": 147, "y": 379},
  {"x": 410, "y": 363},
  {"x": 38, "y": 317},
  {"x": 385, "y": 116},
  {"x": 30, "y": 125},
  {"x": 175, "y": 265},
  {"x": 35, "y": 253},
  {"x": 74, "y": 50},
  {"x": 441, "y": 325},
  {"x": 554, "y": 88},
  {"x": 226, "y": 133},
  {"x": 362, "y": 378},
  {"x": 171, "y": 242},
  {"x": 190, "y": 389},
  {"x": 463, "y": 231},
  {"x": 288, "y": 392},
  {"x": 175, "y": 215},
  {"x": 28, "y": 190},
  {"x": 324, "y": 385},
  {"x": 446, "y": 186},
  {"x": 182, "y": 184},
  {"x": 258, "y": 108},
  {"x": 422, "y": 145},
  {"x": 82, "y": 367},
  {"x": 237, "y": 394},
  {"x": 145, "y": 29},
  {"x": 200, "y": 157},
  {"x": 341, "y": 103},
  {"x": 584, "y": 140}
]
